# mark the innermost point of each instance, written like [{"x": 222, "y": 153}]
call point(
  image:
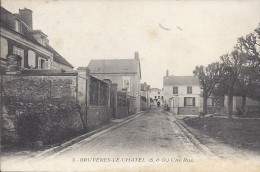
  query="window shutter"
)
[
  {"x": 39, "y": 63},
  {"x": 46, "y": 64},
  {"x": 193, "y": 101},
  {"x": 185, "y": 101}
]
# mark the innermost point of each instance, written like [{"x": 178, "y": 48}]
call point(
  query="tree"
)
[
  {"x": 232, "y": 66},
  {"x": 249, "y": 77},
  {"x": 209, "y": 77}
]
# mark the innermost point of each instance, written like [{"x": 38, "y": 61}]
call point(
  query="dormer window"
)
[{"x": 18, "y": 27}]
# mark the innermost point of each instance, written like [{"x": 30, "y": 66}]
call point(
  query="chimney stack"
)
[
  {"x": 136, "y": 55},
  {"x": 167, "y": 72},
  {"x": 26, "y": 16}
]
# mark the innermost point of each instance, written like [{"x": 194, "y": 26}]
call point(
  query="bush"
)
[
  {"x": 29, "y": 126},
  {"x": 50, "y": 123}
]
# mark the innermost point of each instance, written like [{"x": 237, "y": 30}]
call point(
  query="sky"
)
[{"x": 173, "y": 35}]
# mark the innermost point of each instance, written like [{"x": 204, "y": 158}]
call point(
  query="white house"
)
[
  {"x": 157, "y": 95},
  {"x": 183, "y": 94}
]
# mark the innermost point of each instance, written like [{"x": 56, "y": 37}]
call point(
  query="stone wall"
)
[
  {"x": 53, "y": 105},
  {"x": 97, "y": 115},
  {"x": 121, "y": 112},
  {"x": 48, "y": 100}
]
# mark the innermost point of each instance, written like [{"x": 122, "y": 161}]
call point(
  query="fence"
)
[{"x": 99, "y": 92}]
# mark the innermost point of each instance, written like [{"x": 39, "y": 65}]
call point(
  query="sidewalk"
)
[
  {"x": 50, "y": 151},
  {"x": 210, "y": 144}
]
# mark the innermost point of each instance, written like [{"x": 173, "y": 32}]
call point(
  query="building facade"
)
[
  {"x": 125, "y": 72},
  {"x": 18, "y": 37},
  {"x": 183, "y": 94},
  {"x": 157, "y": 97},
  {"x": 145, "y": 95}
]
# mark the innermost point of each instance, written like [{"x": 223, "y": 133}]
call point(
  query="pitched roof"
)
[
  {"x": 7, "y": 21},
  {"x": 57, "y": 57},
  {"x": 180, "y": 80},
  {"x": 155, "y": 89},
  {"x": 114, "y": 66}
]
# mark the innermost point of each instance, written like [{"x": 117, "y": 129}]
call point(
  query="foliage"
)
[
  {"x": 50, "y": 123},
  {"x": 237, "y": 74},
  {"x": 209, "y": 77}
]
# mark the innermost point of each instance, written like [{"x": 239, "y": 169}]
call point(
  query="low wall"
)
[
  {"x": 121, "y": 112},
  {"x": 188, "y": 111},
  {"x": 97, "y": 115},
  {"x": 143, "y": 105}
]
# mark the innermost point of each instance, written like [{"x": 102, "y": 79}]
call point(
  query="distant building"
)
[
  {"x": 157, "y": 97},
  {"x": 183, "y": 94},
  {"x": 145, "y": 95},
  {"x": 18, "y": 37},
  {"x": 125, "y": 72}
]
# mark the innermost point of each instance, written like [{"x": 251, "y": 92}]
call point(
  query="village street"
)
[{"x": 153, "y": 134}]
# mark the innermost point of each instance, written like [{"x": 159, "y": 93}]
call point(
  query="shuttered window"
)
[
  {"x": 189, "y": 101},
  {"x": 189, "y": 90},
  {"x": 175, "y": 90}
]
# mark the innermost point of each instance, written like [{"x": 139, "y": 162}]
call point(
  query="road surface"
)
[
  {"x": 149, "y": 139},
  {"x": 153, "y": 134}
]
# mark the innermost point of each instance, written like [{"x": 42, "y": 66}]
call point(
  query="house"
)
[
  {"x": 183, "y": 94},
  {"x": 145, "y": 96},
  {"x": 157, "y": 97},
  {"x": 125, "y": 72},
  {"x": 18, "y": 37}
]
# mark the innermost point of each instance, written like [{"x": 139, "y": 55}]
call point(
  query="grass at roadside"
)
[{"x": 240, "y": 133}]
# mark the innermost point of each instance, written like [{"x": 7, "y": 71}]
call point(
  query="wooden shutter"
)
[
  {"x": 185, "y": 101},
  {"x": 39, "y": 63},
  {"x": 193, "y": 101}
]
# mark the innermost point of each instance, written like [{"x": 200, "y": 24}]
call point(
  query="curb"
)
[
  {"x": 55, "y": 150},
  {"x": 192, "y": 138}
]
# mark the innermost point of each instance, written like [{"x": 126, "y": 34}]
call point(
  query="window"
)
[
  {"x": 175, "y": 90},
  {"x": 189, "y": 101},
  {"x": 126, "y": 83},
  {"x": 158, "y": 97},
  {"x": 19, "y": 52},
  {"x": 158, "y": 92},
  {"x": 42, "y": 63},
  {"x": 31, "y": 59},
  {"x": 162, "y": 97},
  {"x": 4, "y": 47},
  {"x": 189, "y": 90},
  {"x": 18, "y": 27},
  {"x": 155, "y": 97}
]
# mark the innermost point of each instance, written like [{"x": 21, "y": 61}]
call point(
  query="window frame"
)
[
  {"x": 20, "y": 52},
  {"x": 40, "y": 64},
  {"x": 189, "y": 89},
  {"x": 175, "y": 88},
  {"x": 32, "y": 54},
  {"x": 18, "y": 26},
  {"x": 4, "y": 47},
  {"x": 127, "y": 78},
  {"x": 189, "y": 105}
]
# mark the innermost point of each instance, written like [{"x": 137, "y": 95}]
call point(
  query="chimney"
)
[
  {"x": 167, "y": 72},
  {"x": 136, "y": 55},
  {"x": 26, "y": 16}
]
